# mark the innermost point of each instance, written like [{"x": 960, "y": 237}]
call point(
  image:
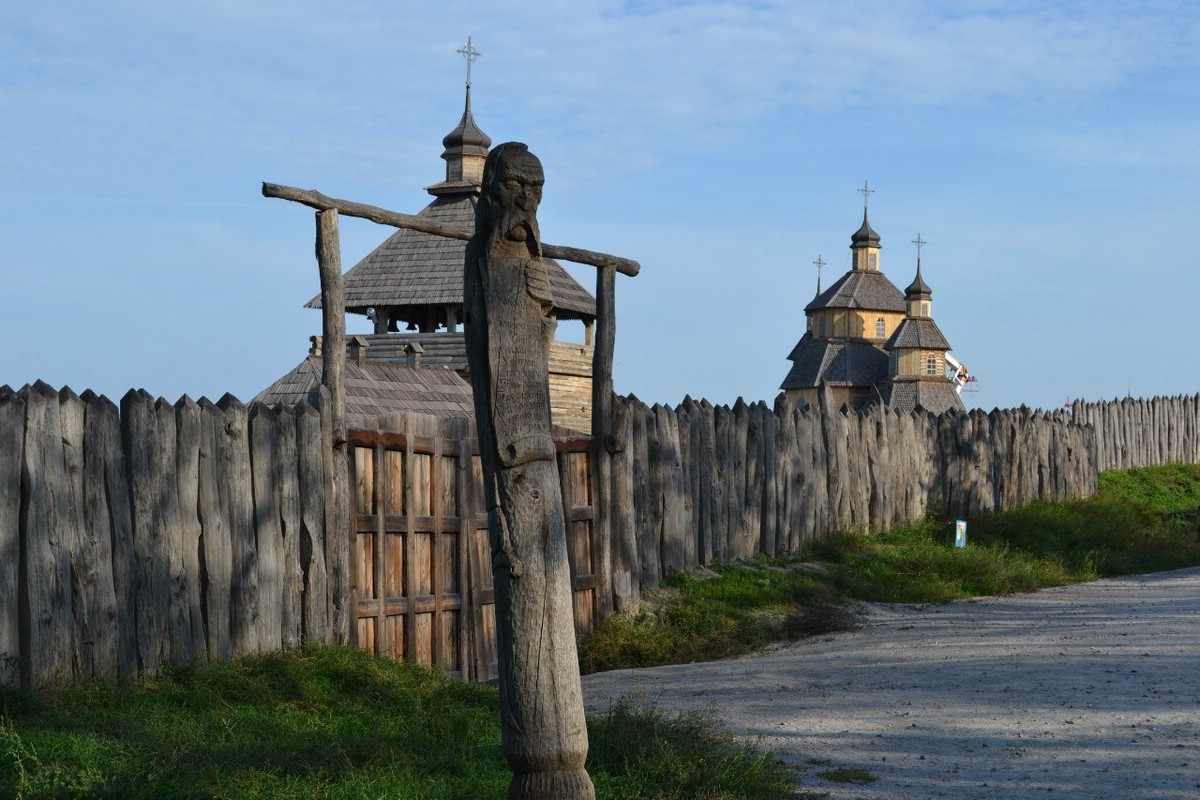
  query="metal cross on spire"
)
[
  {"x": 819, "y": 263},
  {"x": 867, "y": 191},
  {"x": 469, "y": 52},
  {"x": 919, "y": 242}
]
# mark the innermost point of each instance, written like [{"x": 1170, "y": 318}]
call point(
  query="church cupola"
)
[
  {"x": 918, "y": 297},
  {"x": 466, "y": 146},
  {"x": 864, "y": 243}
]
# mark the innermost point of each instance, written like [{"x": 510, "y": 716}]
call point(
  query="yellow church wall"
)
[
  {"x": 844, "y": 322},
  {"x": 912, "y": 362}
]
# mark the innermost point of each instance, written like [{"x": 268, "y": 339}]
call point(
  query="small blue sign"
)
[{"x": 960, "y": 533}]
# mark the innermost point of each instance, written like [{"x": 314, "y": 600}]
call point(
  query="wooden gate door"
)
[{"x": 421, "y": 582}]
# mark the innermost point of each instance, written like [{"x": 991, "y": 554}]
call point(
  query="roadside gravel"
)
[{"x": 1082, "y": 692}]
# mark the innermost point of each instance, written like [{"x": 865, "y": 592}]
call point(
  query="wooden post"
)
[
  {"x": 12, "y": 434},
  {"x": 336, "y": 464},
  {"x": 602, "y": 434}
]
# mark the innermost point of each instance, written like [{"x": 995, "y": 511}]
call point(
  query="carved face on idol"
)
[{"x": 513, "y": 190}]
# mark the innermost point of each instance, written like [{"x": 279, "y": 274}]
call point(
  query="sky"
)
[{"x": 1048, "y": 154}]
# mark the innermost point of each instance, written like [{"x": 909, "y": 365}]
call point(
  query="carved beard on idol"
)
[{"x": 512, "y": 189}]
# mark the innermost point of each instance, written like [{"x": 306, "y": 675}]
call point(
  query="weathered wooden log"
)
[
  {"x": 145, "y": 451},
  {"x": 71, "y": 411},
  {"x": 189, "y": 432},
  {"x": 626, "y": 571},
  {"x": 318, "y": 602},
  {"x": 672, "y": 501},
  {"x": 744, "y": 466},
  {"x": 47, "y": 557},
  {"x": 268, "y": 526},
  {"x": 180, "y": 637},
  {"x": 216, "y": 549},
  {"x": 235, "y": 474},
  {"x": 109, "y": 516},
  {"x": 287, "y": 478},
  {"x": 314, "y": 199},
  {"x": 12, "y": 430},
  {"x": 768, "y": 529},
  {"x": 702, "y": 469},
  {"x": 723, "y": 483},
  {"x": 648, "y": 557}
]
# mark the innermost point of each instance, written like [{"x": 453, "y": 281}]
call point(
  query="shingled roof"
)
[
  {"x": 937, "y": 397},
  {"x": 860, "y": 289},
  {"x": 918, "y": 332},
  {"x": 376, "y": 388},
  {"x": 835, "y": 362},
  {"x": 412, "y": 269}
]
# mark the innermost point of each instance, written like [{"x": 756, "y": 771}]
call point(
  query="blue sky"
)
[{"x": 1048, "y": 153}]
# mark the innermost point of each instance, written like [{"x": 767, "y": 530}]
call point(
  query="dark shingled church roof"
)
[
  {"x": 860, "y": 289},
  {"x": 377, "y": 388},
  {"x": 419, "y": 269},
  {"x": 836, "y": 362},
  {"x": 919, "y": 332},
  {"x": 935, "y": 396}
]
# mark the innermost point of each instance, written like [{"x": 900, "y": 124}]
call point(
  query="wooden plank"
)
[
  {"x": 466, "y": 528},
  {"x": 384, "y": 554},
  {"x": 624, "y": 569},
  {"x": 179, "y": 621},
  {"x": 189, "y": 431},
  {"x": 436, "y": 476},
  {"x": 12, "y": 436},
  {"x": 152, "y": 593},
  {"x": 287, "y": 479},
  {"x": 100, "y": 435},
  {"x": 768, "y": 530},
  {"x": 83, "y": 568},
  {"x": 724, "y": 484},
  {"x": 648, "y": 496},
  {"x": 318, "y": 601},
  {"x": 47, "y": 558},
  {"x": 236, "y": 476},
  {"x": 264, "y": 433},
  {"x": 217, "y": 550},
  {"x": 413, "y": 492}
]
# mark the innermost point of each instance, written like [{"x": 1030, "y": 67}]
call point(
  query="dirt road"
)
[{"x": 1084, "y": 692}]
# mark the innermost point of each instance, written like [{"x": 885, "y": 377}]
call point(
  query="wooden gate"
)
[{"x": 421, "y": 580}]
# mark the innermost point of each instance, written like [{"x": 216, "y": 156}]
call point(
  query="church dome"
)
[
  {"x": 918, "y": 288},
  {"x": 865, "y": 236},
  {"x": 467, "y": 138}
]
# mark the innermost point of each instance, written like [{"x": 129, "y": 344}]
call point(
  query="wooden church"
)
[
  {"x": 411, "y": 289},
  {"x": 867, "y": 342}
]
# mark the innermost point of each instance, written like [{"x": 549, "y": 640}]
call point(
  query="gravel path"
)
[{"x": 1084, "y": 692}]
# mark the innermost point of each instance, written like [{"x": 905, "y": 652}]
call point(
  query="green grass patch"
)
[
  {"x": 743, "y": 608},
  {"x": 333, "y": 723}
]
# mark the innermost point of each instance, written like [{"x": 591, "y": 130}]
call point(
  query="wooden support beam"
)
[{"x": 315, "y": 199}]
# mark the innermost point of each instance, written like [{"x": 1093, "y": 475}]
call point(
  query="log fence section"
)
[{"x": 152, "y": 533}]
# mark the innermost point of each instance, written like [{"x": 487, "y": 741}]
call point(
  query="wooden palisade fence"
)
[{"x": 158, "y": 533}]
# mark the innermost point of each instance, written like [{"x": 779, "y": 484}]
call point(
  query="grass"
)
[
  {"x": 334, "y": 723},
  {"x": 338, "y": 724}
]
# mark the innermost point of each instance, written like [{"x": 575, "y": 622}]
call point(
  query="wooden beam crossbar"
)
[{"x": 321, "y": 202}]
